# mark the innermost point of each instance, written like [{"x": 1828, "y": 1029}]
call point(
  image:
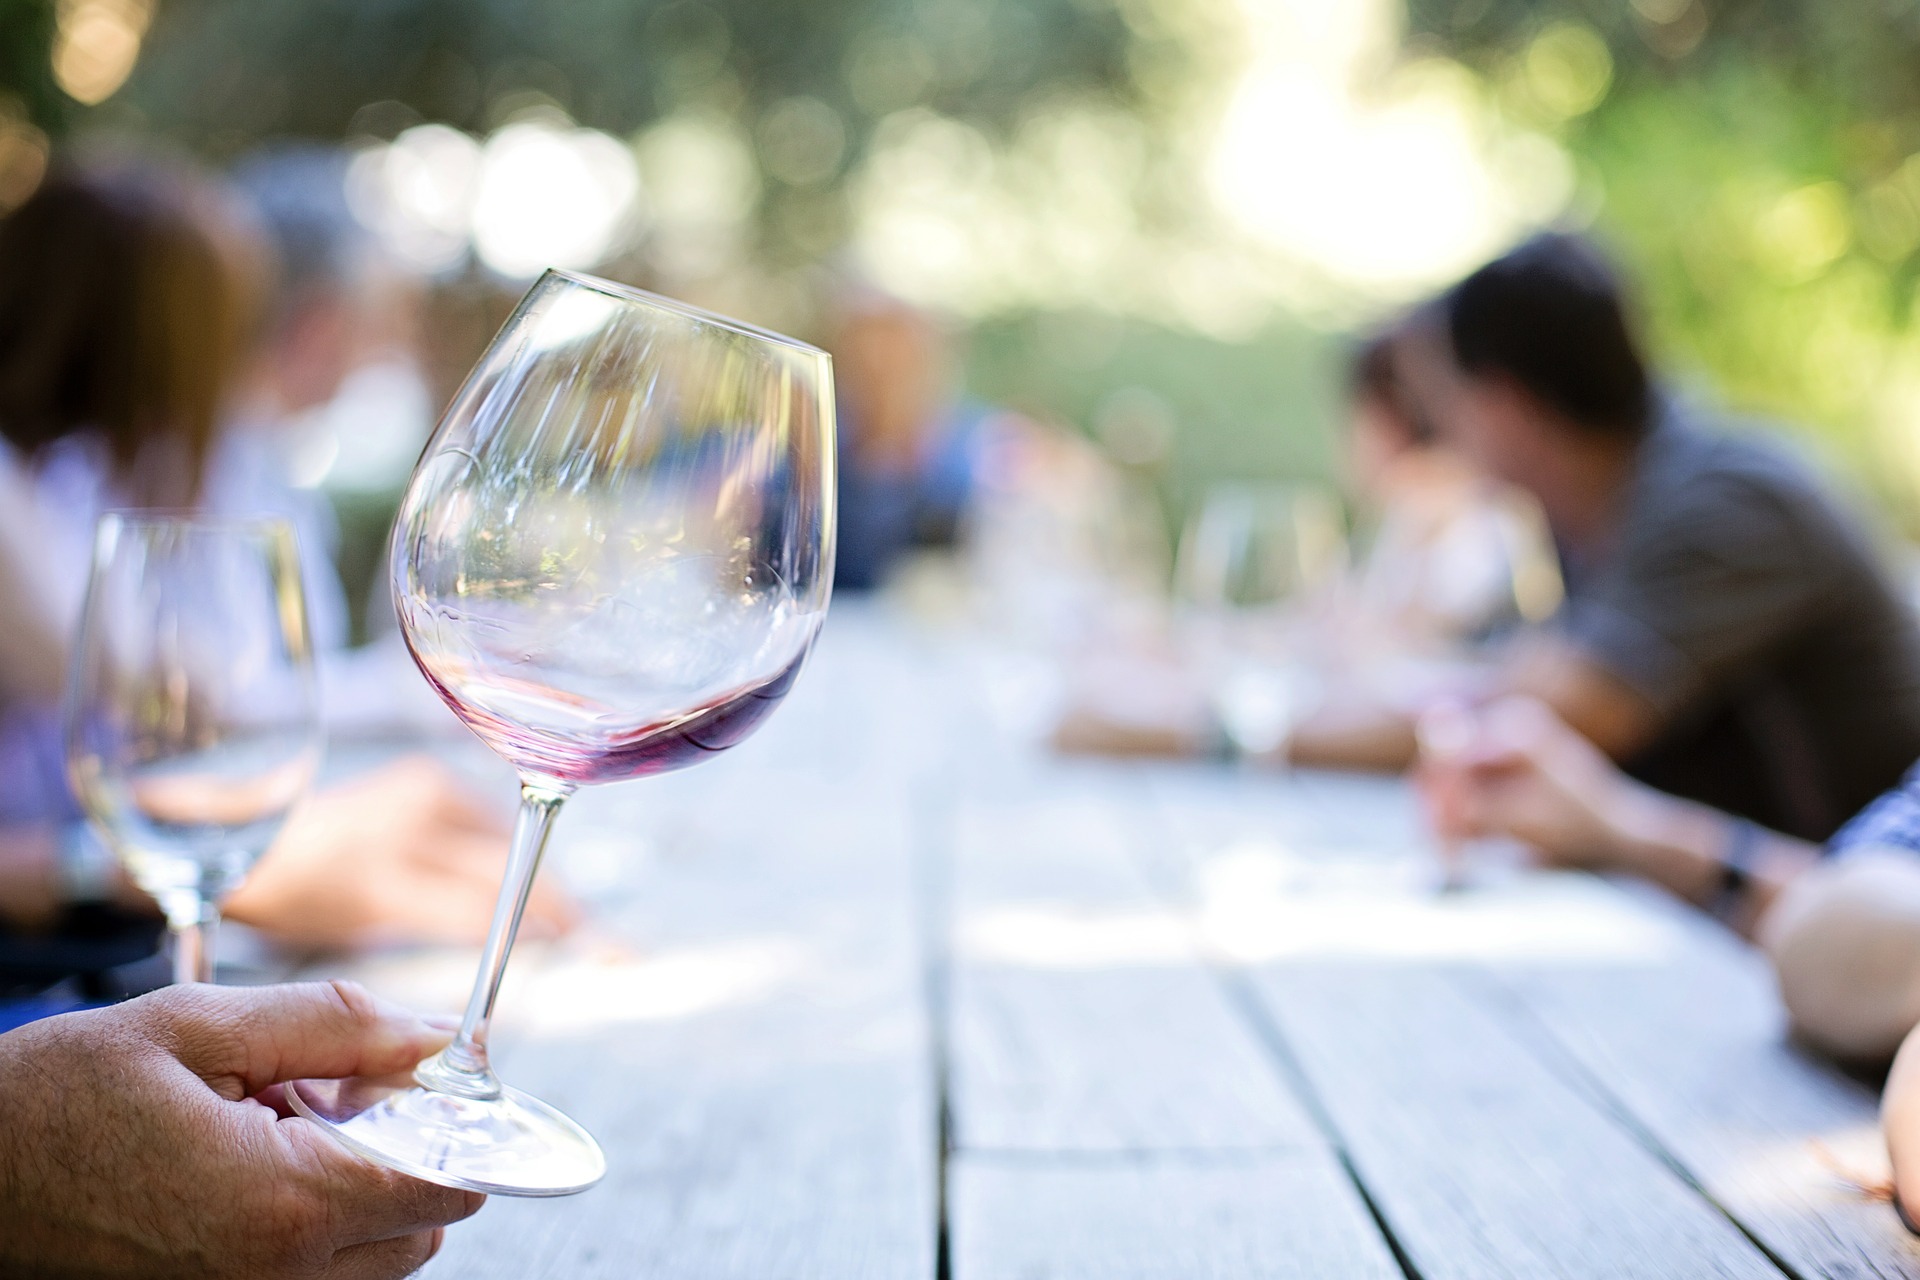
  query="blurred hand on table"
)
[
  {"x": 146, "y": 1141},
  {"x": 1127, "y": 704},
  {"x": 1513, "y": 769},
  {"x": 403, "y": 854}
]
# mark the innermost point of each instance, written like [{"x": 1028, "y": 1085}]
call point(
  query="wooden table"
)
[{"x": 894, "y": 995}]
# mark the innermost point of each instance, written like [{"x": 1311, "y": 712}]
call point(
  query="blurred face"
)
[
  {"x": 1490, "y": 422},
  {"x": 319, "y": 345},
  {"x": 1377, "y": 438},
  {"x": 890, "y": 368}
]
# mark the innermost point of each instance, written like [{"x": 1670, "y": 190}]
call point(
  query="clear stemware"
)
[
  {"x": 611, "y": 562},
  {"x": 192, "y": 723},
  {"x": 1250, "y": 564}
]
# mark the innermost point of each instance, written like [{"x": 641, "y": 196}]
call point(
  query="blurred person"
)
[
  {"x": 149, "y": 1141},
  {"x": 313, "y": 332},
  {"x": 1452, "y": 564},
  {"x": 1452, "y": 561},
  {"x": 1729, "y": 632},
  {"x": 130, "y": 299},
  {"x": 906, "y": 444}
]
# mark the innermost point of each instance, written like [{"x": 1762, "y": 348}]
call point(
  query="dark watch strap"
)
[{"x": 1736, "y": 872}]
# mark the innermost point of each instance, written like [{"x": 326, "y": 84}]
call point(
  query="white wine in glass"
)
[
  {"x": 611, "y": 562},
  {"x": 192, "y": 720}
]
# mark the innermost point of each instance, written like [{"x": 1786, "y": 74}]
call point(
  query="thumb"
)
[{"x": 242, "y": 1039}]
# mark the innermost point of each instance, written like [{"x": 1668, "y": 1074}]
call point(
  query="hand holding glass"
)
[
  {"x": 611, "y": 562},
  {"x": 192, "y": 722}
]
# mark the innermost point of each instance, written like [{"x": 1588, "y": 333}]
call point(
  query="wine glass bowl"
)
[
  {"x": 1250, "y": 565},
  {"x": 611, "y": 561},
  {"x": 619, "y": 533},
  {"x": 192, "y": 723}
]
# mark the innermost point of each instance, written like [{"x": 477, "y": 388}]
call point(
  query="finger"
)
[
  {"x": 481, "y": 857},
  {"x": 454, "y": 898},
  {"x": 368, "y": 1201},
  {"x": 444, "y": 909},
  {"x": 385, "y": 1259},
  {"x": 459, "y": 814},
  {"x": 240, "y": 1040},
  {"x": 1445, "y": 730}
]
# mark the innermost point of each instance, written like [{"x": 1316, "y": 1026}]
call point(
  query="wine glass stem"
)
[
  {"x": 193, "y": 933},
  {"x": 462, "y": 1067}
]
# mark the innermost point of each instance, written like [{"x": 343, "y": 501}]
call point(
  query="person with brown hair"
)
[
  {"x": 130, "y": 295},
  {"x": 132, "y": 301}
]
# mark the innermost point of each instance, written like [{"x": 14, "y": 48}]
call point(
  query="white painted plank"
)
[
  {"x": 1696, "y": 1050},
  {"x": 1081, "y": 1017},
  {"x": 1482, "y": 1160},
  {"x": 1248, "y": 1218},
  {"x": 1483, "y": 1156}
]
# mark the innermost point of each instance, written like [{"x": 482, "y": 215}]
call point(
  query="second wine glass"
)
[
  {"x": 611, "y": 562},
  {"x": 192, "y": 718}
]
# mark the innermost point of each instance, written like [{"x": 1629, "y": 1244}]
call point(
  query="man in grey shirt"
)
[
  {"x": 1728, "y": 634},
  {"x": 1748, "y": 612}
]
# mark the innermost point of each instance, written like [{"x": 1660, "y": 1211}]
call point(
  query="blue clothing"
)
[
  {"x": 61, "y": 999},
  {"x": 1892, "y": 821},
  {"x": 882, "y": 515}
]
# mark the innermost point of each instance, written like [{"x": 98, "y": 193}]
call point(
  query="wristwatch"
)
[{"x": 1736, "y": 871}]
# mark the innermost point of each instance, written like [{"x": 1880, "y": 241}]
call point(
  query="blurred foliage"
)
[
  {"x": 809, "y": 77},
  {"x": 1264, "y": 408},
  {"x": 26, "y": 71},
  {"x": 222, "y": 73},
  {"x": 1756, "y": 163}
]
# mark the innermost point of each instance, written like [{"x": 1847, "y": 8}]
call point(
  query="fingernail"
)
[{"x": 411, "y": 1022}]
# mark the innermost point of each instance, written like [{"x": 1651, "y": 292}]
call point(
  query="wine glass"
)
[
  {"x": 1251, "y": 556},
  {"x": 611, "y": 561},
  {"x": 192, "y": 724}
]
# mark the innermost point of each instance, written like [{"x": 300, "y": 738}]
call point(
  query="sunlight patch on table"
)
[
  {"x": 1265, "y": 901},
  {"x": 575, "y": 994},
  {"x": 1042, "y": 936}
]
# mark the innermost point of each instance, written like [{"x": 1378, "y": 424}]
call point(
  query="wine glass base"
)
[{"x": 513, "y": 1145}]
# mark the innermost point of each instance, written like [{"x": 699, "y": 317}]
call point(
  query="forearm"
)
[
  {"x": 1354, "y": 735},
  {"x": 1685, "y": 848}
]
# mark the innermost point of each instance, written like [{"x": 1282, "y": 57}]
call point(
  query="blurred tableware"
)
[
  {"x": 1252, "y": 561},
  {"x": 1444, "y": 732},
  {"x": 1256, "y": 546},
  {"x": 611, "y": 562},
  {"x": 192, "y": 723}
]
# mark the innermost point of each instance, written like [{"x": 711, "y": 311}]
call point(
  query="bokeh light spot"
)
[{"x": 95, "y": 45}]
